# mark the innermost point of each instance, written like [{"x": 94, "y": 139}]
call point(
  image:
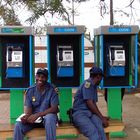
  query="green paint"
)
[
  {"x": 33, "y": 61},
  {"x": 97, "y": 49},
  {"x": 120, "y": 134},
  {"x": 67, "y": 136},
  {"x": 57, "y": 137},
  {"x": 16, "y": 104},
  {"x": 0, "y": 64},
  {"x": 65, "y": 101},
  {"x": 114, "y": 103},
  {"x": 115, "y": 108},
  {"x": 131, "y": 54},
  {"x": 25, "y": 138},
  {"x": 9, "y": 138},
  {"x": 12, "y": 30},
  {"x": 130, "y": 80}
]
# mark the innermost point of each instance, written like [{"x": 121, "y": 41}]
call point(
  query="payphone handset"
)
[
  {"x": 14, "y": 56},
  {"x": 65, "y": 56},
  {"x": 65, "y": 61},
  {"x": 14, "y": 61},
  {"x": 116, "y": 55}
]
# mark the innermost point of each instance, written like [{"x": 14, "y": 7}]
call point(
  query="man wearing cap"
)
[
  {"x": 41, "y": 100},
  {"x": 86, "y": 115}
]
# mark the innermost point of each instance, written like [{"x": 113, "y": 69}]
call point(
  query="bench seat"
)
[{"x": 6, "y": 130}]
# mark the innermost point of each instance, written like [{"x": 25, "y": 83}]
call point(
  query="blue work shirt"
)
[
  {"x": 86, "y": 91},
  {"x": 39, "y": 102}
]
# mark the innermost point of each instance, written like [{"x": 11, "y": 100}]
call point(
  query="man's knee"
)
[
  {"x": 96, "y": 119},
  {"x": 18, "y": 126},
  {"x": 50, "y": 118},
  {"x": 91, "y": 132}
]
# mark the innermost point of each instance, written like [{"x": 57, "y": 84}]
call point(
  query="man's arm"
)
[
  {"x": 52, "y": 109},
  {"x": 28, "y": 112},
  {"x": 94, "y": 109},
  {"x": 33, "y": 117}
]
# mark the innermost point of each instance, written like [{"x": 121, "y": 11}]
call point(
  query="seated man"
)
[
  {"x": 41, "y": 100},
  {"x": 86, "y": 115}
]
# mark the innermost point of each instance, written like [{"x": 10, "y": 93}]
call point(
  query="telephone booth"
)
[
  {"x": 16, "y": 64},
  {"x": 116, "y": 52},
  {"x": 66, "y": 62}
]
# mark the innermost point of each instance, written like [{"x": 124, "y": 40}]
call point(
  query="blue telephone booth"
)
[
  {"x": 65, "y": 62},
  {"x": 16, "y": 64},
  {"x": 66, "y": 55},
  {"x": 16, "y": 57},
  {"x": 116, "y": 52}
]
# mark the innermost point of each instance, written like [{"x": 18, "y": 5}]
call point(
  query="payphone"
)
[
  {"x": 116, "y": 60},
  {"x": 16, "y": 57},
  {"x": 116, "y": 52},
  {"x": 65, "y": 61},
  {"x": 16, "y": 64},
  {"x": 14, "y": 60},
  {"x": 65, "y": 55}
]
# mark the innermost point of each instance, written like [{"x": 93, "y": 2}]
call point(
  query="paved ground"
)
[{"x": 131, "y": 114}]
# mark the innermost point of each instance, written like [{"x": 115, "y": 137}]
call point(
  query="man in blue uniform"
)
[
  {"x": 86, "y": 115},
  {"x": 41, "y": 100}
]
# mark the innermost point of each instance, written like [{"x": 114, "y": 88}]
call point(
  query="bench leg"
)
[{"x": 107, "y": 136}]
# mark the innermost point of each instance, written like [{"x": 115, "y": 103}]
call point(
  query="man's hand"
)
[
  {"x": 32, "y": 118},
  {"x": 108, "y": 118},
  {"x": 24, "y": 118},
  {"x": 105, "y": 121}
]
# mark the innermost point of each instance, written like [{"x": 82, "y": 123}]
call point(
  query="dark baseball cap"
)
[
  {"x": 42, "y": 71},
  {"x": 96, "y": 70}
]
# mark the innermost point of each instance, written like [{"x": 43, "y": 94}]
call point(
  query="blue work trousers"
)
[
  {"x": 49, "y": 123},
  {"x": 89, "y": 124}
]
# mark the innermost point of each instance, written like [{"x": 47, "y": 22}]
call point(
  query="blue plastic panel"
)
[
  {"x": 65, "y": 29},
  {"x": 65, "y": 72},
  {"x": 14, "y": 72},
  {"x": 116, "y": 71},
  {"x": 119, "y": 29}
]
